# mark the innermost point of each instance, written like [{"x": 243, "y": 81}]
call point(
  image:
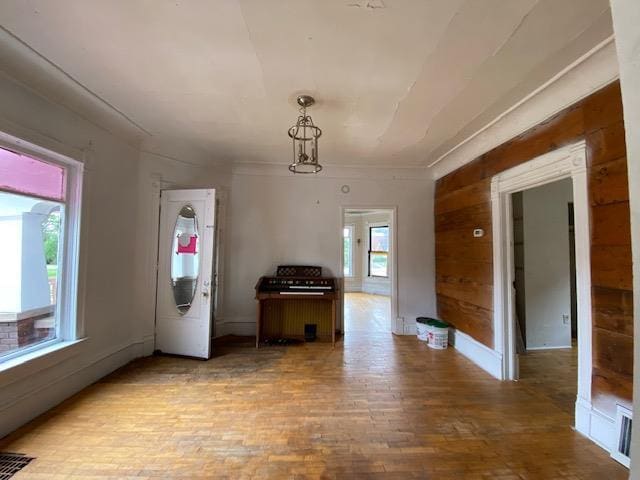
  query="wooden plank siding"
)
[{"x": 464, "y": 268}]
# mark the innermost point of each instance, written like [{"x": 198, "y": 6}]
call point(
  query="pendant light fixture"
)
[{"x": 304, "y": 135}]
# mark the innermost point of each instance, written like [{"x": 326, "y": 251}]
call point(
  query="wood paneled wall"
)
[{"x": 464, "y": 267}]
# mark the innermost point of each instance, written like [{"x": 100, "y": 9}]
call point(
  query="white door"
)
[{"x": 185, "y": 272}]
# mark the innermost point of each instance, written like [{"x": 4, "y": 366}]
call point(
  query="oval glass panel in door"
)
[{"x": 185, "y": 258}]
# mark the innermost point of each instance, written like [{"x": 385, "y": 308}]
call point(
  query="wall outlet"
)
[{"x": 565, "y": 319}]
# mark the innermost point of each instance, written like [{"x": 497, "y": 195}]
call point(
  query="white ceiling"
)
[{"x": 398, "y": 82}]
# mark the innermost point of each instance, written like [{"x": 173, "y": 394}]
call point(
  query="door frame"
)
[
  {"x": 157, "y": 184},
  {"x": 396, "y": 324},
  {"x": 566, "y": 162}
]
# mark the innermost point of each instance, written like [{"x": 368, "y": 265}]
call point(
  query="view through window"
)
[
  {"x": 379, "y": 251},
  {"x": 32, "y": 209}
]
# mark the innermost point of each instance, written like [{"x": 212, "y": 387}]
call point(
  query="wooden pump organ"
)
[{"x": 296, "y": 296}]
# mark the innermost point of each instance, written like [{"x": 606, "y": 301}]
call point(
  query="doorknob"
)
[{"x": 205, "y": 293}]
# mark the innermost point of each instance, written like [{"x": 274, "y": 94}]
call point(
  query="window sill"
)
[{"x": 21, "y": 367}]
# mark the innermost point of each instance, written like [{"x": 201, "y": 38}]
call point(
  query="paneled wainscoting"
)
[{"x": 375, "y": 406}]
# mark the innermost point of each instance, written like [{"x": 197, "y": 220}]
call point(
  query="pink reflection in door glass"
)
[{"x": 23, "y": 174}]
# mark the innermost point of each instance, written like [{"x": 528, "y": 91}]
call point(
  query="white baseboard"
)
[
  {"x": 409, "y": 328},
  {"x": 376, "y": 288},
  {"x": 595, "y": 425},
  {"x": 549, "y": 348},
  {"x": 148, "y": 345},
  {"x": 486, "y": 358},
  {"x": 241, "y": 328},
  {"x": 27, "y": 405},
  {"x": 352, "y": 286},
  {"x": 583, "y": 417}
]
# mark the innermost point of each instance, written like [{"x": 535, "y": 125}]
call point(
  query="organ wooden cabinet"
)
[{"x": 295, "y": 296}]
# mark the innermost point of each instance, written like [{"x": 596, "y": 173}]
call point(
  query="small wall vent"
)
[{"x": 624, "y": 421}]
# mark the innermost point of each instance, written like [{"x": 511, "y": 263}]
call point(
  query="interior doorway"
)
[
  {"x": 544, "y": 288},
  {"x": 368, "y": 259},
  {"x": 568, "y": 162}
]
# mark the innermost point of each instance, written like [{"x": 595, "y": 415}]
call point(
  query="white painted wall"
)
[
  {"x": 546, "y": 265},
  {"x": 626, "y": 18},
  {"x": 163, "y": 172},
  {"x": 295, "y": 219},
  {"x": 108, "y": 255}
]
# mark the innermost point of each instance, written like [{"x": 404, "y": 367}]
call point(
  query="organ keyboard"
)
[{"x": 294, "y": 283}]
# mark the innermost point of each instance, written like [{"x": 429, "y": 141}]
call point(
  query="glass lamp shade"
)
[{"x": 304, "y": 135}]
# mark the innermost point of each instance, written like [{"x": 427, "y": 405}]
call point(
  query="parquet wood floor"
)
[
  {"x": 366, "y": 313},
  {"x": 376, "y": 406},
  {"x": 554, "y": 374}
]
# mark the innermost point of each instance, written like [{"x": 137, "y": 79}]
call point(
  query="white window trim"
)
[
  {"x": 566, "y": 162},
  {"x": 70, "y": 323},
  {"x": 352, "y": 229},
  {"x": 369, "y": 226}
]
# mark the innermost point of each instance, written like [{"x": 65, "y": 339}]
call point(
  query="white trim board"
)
[
  {"x": 486, "y": 358},
  {"x": 371, "y": 284},
  {"x": 566, "y": 162},
  {"x": 558, "y": 347},
  {"x": 593, "y": 71},
  {"x": 242, "y": 328},
  {"x": 69, "y": 309},
  {"x": 90, "y": 106},
  {"x": 595, "y": 425},
  {"x": 617, "y": 452},
  {"x": 369, "y": 172}
]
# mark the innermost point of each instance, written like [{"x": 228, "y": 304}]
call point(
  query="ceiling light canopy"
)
[{"x": 304, "y": 135}]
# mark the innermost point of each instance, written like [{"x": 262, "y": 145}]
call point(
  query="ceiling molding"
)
[
  {"x": 335, "y": 171},
  {"x": 591, "y": 72},
  {"x": 21, "y": 61},
  {"x": 185, "y": 161}
]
